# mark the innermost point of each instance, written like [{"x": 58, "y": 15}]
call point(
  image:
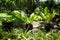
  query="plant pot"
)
[{"x": 36, "y": 24}]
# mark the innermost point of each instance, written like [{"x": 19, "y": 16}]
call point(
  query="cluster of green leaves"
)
[
  {"x": 18, "y": 17},
  {"x": 37, "y": 15},
  {"x": 21, "y": 35},
  {"x": 24, "y": 18},
  {"x": 16, "y": 4},
  {"x": 21, "y": 16},
  {"x": 45, "y": 14},
  {"x": 4, "y": 16}
]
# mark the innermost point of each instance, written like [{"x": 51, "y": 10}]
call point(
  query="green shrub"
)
[{"x": 18, "y": 34}]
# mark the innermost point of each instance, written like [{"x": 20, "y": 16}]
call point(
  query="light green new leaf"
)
[
  {"x": 20, "y": 15},
  {"x": 24, "y": 16},
  {"x": 46, "y": 11},
  {"x": 7, "y": 1},
  {"x": 50, "y": 16},
  {"x": 4, "y": 15},
  {"x": 37, "y": 10},
  {"x": 16, "y": 14},
  {"x": 34, "y": 17},
  {"x": 53, "y": 14}
]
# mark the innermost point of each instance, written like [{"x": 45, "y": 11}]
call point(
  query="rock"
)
[{"x": 36, "y": 24}]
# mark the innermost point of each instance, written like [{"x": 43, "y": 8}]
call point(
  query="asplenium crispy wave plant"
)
[
  {"x": 49, "y": 16},
  {"x": 45, "y": 14},
  {"x": 23, "y": 17},
  {"x": 18, "y": 17}
]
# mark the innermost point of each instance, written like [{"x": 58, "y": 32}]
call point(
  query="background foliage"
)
[{"x": 22, "y": 13}]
